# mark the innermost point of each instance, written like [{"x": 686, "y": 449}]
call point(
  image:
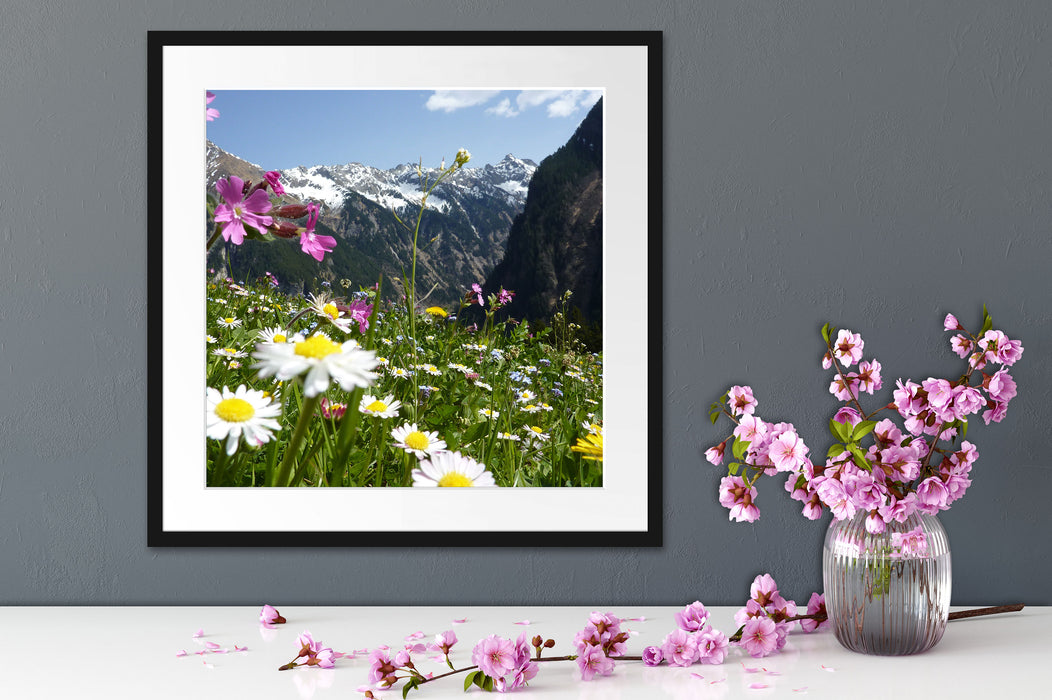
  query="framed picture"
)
[{"x": 430, "y": 259}]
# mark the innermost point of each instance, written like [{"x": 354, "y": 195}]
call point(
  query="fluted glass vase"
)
[{"x": 887, "y": 593}]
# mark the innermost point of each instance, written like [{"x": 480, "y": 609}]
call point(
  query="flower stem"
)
[
  {"x": 310, "y": 405},
  {"x": 212, "y": 240}
]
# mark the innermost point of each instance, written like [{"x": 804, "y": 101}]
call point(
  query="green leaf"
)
[
  {"x": 732, "y": 468},
  {"x": 740, "y": 446},
  {"x": 842, "y": 431},
  {"x": 487, "y": 685},
  {"x": 410, "y": 685},
  {"x": 475, "y": 432},
  {"x": 863, "y": 429},
  {"x": 835, "y": 451},
  {"x": 714, "y": 416},
  {"x": 470, "y": 680},
  {"x": 825, "y": 332},
  {"x": 988, "y": 322},
  {"x": 860, "y": 457}
]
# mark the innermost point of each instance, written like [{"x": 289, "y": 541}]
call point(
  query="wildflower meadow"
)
[{"x": 349, "y": 388}]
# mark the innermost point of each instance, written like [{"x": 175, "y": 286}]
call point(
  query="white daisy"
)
[
  {"x": 400, "y": 373},
  {"x": 387, "y": 407},
  {"x": 273, "y": 335},
  {"x": 229, "y": 352},
  {"x": 233, "y": 364},
  {"x": 430, "y": 369},
  {"x": 525, "y": 396},
  {"x": 383, "y": 361},
  {"x": 593, "y": 428},
  {"x": 211, "y": 339},
  {"x": 229, "y": 322},
  {"x": 489, "y": 413},
  {"x": 459, "y": 367},
  {"x": 546, "y": 407},
  {"x": 509, "y": 436},
  {"x": 417, "y": 442},
  {"x": 244, "y": 412},
  {"x": 531, "y": 408},
  {"x": 320, "y": 359},
  {"x": 535, "y": 433},
  {"x": 484, "y": 385},
  {"x": 451, "y": 469},
  {"x": 326, "y": 308}
]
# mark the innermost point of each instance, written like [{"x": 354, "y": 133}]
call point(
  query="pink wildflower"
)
[
  {"x": 273, "y": 178},
  {"x": 477, "y": 289},
  {"x": 236, "y": 212},
  {"x": 313, "y": 244},
  {"x": 211, "y": 113}
]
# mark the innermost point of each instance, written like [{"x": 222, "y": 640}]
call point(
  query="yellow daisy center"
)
[
  {"x": 455, "y": 479},
  {"x": 535, "y": 429},
  {"x": 417, "y": 440},
  {"x": 229, "y": 319},
  {"x": 377, "y": 406},
  {"x": 317, "y": 346},
  {"x": 330, "y": 310},
  {"x": 279, "y": 338},
  {"x": 235, "y": 410}
]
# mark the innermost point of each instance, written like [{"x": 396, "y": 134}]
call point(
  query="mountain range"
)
[{"x": 462, "y": 236}]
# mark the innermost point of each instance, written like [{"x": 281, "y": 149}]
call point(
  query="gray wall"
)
[{"x": 870, "y": 164}]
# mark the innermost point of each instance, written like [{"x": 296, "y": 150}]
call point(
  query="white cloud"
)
[
  {"x": 503, "y": 109},
  {"x": 452, "y": 100},
  {"x": 560, "y": 103}
]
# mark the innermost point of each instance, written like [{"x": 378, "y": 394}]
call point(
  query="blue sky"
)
[{"x": 280, "y": 129}]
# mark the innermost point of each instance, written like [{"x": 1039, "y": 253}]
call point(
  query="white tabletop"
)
[{"x": 133, "y": 652}]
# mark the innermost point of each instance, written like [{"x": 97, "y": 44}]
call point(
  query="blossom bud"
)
[
  {"x": 284, "y": 229},
  {"x": 549, "y": 643},
  {"x": 538, "y": 641},
  {"x": 290, "y": 211},
  {"x": 462, "y": 157}
]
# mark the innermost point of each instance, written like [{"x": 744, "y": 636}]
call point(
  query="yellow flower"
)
[
  {"x": 590, "y": 447},
  {"x": 436, "y": 311}
]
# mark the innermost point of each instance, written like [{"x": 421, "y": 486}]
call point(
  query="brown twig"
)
[{"x": 976, "y": 612}]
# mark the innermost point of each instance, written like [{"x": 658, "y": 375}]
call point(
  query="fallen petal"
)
[
  {"x": 800, "y": 690},
  {"x": 524, "y": 622},
  {"x": 826, "y": 668},
  {"x": 715, "y": 682},
  {"x": 698, "y": 675},
  {"x": 758, "y": 686},
  {"x": 211, "y": 645},
  {"x": 414, "y": 636},
  {"x": 181, "y": 652},
  {"x": 199, "y": 633},
  {"x": 460, "y": 622},
  {"x": 237, "y": 648}
]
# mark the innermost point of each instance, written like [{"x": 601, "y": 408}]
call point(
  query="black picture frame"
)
[{"x": 182, "y": 512}]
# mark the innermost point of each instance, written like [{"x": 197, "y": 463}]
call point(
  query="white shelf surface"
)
[{"x": 131, "y": 652}]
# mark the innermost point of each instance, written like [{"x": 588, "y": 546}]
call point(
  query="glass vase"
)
[{"x": 887, "y": 593}]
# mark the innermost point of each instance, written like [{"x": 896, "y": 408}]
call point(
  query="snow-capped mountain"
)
[{"x": 463, "y": 232}]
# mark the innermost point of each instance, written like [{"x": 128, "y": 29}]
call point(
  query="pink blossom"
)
[
  {"x": 845, "y": 387},
  {"x": 848, "y": 416},
  {"x": 381, "y": 670},
  {"x": 788, "y": 451},
  {"x": 445, "y": 641},
  {"x": 692, "y": 618},
  {"x": 899, "y": 509},
  {"x": 996, "y": 413},
  {"x": 494, "y": 656},
  {"x": 940, "y": 391},
  {"x": 992, "y": 342},
  {"x": 908, "y": 400},
  {"x": 269, "y": 615},
  {"x": 763, "y": 589},
  {"x": 738, "y": 497},
  {"x": 1001, "y": 386},
  {"x": 961, "y": 345},
  {"x": 848, "y": 347},
  {"x": 1009, "y": 352},
  {"x": 652, "y": 656},
  {"x": 931, "y": 495},
  {"x": 951, "y": 323},
  {"x": 887, "y": 432},
  {"x": 869, "y": 376},
  {"x": 715, "y": 454},
  {"x": 966, "y": 401},
  {"x": 680, "y": 648},
  {"x": 592, "y": 662},
  {"x": 827, "y": 360},
  {"x": 313, "y": 244},
  {"x": 712, "y": 646},
  {"x": 750, "y": 427},
  {"x": 211, "y": 113},
  {"x": 741, "y": 401},
  {"x": 874, "y": 523},
  {"x": 523, "y": 670},
  {"x": 504, "y": 296},
  {"x": 760, "y": 636},
  {"x": 835, "y": 496},
  {"x": 273, "y": 178},
  {"x": 816, "y": 605},
  {"x": 236, "y": 212},
  {"x": 752, "y": 609},
  {"x": 477, "y": 289}
]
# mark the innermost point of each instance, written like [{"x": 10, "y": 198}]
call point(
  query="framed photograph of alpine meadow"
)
[{"x": 381, "y": 264}]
